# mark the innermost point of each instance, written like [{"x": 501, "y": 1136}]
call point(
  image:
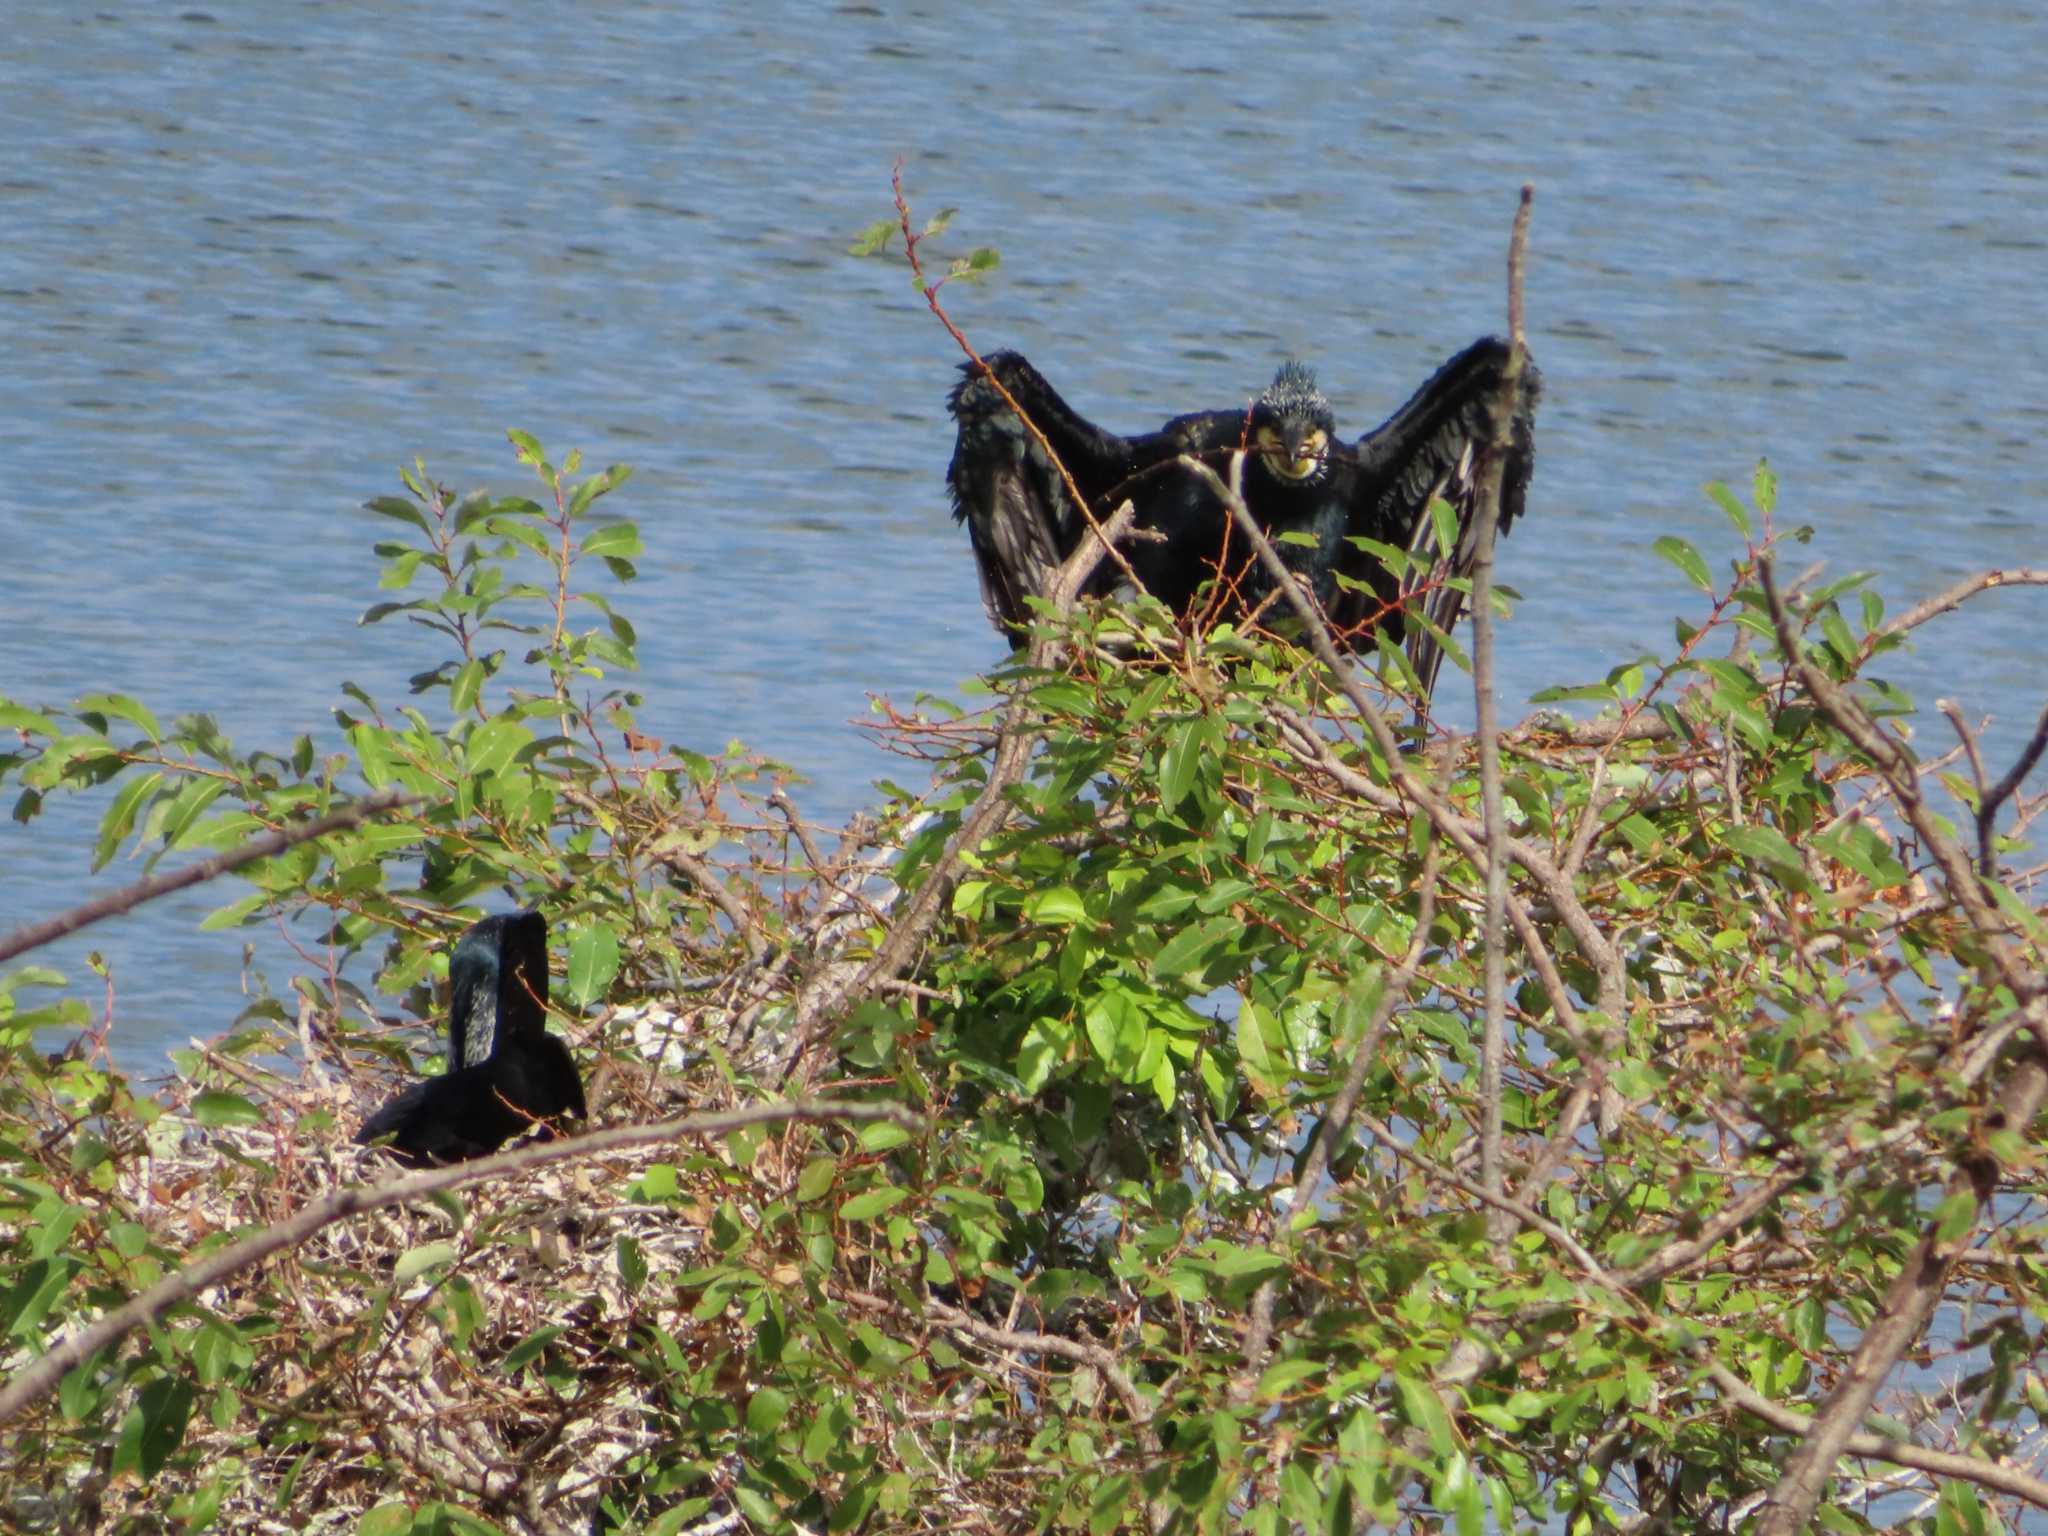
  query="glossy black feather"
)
[
  {"x": 1018, "y": 509},
  {"x": 1022, "y": 519},
  {"x": 498, "y": 982},
  {"x": 506, "y": 1072},
  {"x": 473, "y": 1111}
]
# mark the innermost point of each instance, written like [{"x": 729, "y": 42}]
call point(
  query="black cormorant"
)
[
  {"x": 505, "y": 1071},
  {"x": 1298, "y": 478}
]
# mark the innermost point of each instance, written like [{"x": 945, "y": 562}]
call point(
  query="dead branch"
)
[{"x": 129, "y": 897}]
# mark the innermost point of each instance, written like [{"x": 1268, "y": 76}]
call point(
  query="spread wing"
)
[
  {"x": 1435, "y": 446},
  {"x": 1018, "y": 510}
]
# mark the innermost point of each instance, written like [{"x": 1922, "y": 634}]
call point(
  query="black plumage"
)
[
  {"x": 505, "y": 1071},
  {"x": 1298, "y": 477}
]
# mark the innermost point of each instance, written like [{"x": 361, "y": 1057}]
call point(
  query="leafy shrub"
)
[{"x": 1195, "y": 1225}]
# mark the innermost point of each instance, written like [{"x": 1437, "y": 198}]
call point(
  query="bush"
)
[{"x": 1162, "y": 1178}]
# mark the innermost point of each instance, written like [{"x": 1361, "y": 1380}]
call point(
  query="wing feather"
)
[
  {"x": 1436, "y": 445},
  {"x": 1019, "y": 511}
]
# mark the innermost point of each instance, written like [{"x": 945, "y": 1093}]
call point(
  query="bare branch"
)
[
  {"x": 1902, "y": 1316},
  {"x": 1904, "y": 1453},
  {"x": 827, "y": 996},
  {"x": 1952, "y": 599},
  {"x": 1486, "y": 523},
  {"x": 35, "y": 935},
  {"x": 2002, "y": 791}
]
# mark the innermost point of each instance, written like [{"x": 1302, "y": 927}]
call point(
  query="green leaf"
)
[
  {"x": 18, "y": 717},
  {"x": 1443, "y": 526},
  {"x": 417, "y": 1261},
  {"x": 187, "y": 806},
  {"x": 1724, "y": 498},
  {"x": 872, "y": 240},
  {"x": 120, "y": 818},
  {"x": 614, "y": 539},
  {"x": 632, "y": 1263},
  {"x": 399, "y": 508},
  {"x": 235, "y": 913},
  {"x": 1687, "y": 559},
  {"x": 766, "y": 1410},
  {"x": 216, "y": 1107},
  {"x": 1764, "y": 845},
  {"x": 121, "y": 707},
  {"x": 528, "y": 1349},
  {"x": 1259, "y": 1044},
  {"x": 35, "y": 1292},
  {"x": 1426, "y": 1412},
  {"x": 593, "y": 962},
  {"x": 154, "y": 1427},
  {"x": 469, "y": 682},
  {"x": 1862, "y": 848},
  {"x": 866, "y": 1207},
  {"x": 1177, "y": 768},
  {"x": 493, "y": 744},
  {"x": 1061, "y": 906},
  {"x": 1284, "y": 1375},
  {"x": 1955, "y": 1217},
  {"x": 818, "y": 1176}
]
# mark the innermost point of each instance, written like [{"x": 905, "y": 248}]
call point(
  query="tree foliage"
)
[{"x": 1184, "y": 1224}]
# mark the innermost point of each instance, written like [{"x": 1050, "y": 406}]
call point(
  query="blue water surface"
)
[{"x": 259, "y": 256}]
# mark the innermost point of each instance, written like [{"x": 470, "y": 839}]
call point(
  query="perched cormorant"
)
[
  {"x": 505, "y": 1071},
  {"x": 1298, "y": 478}
]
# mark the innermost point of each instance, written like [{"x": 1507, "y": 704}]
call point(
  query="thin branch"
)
[
  {"x": 1135, "y": 1403},
  {"x": 38, "y": 1379},
  {"x": 2002, "y": 791},
  {"x": 1486, "y": 524},
  {"x": 1952, "y": 599},
  {"x": 1902, "y": 1316},
  {"x": 706, "y": 881},
  {"x": 1896, "y": 766},
  {"x": 825, "y": 997},
  {"x": 1903, "y": 1453},
  {"x": 35, "y": 935}
]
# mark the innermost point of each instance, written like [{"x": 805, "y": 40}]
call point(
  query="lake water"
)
[{"x": 258, "y": 256}]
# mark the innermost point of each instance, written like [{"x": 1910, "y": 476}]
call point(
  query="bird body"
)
[
  {"x": 505, "y": 1071},
  {"x": 472, "y": 1111},
  {"x": 1298, "y": 478}
]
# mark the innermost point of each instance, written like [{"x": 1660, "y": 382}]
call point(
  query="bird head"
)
[
  {"x": 498, "y": 978},
  {"x": 1292, "y": 425},
  {"x": 473, "y": 979}
]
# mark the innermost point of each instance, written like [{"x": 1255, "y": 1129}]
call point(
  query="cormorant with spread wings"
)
[{"x": 1298, "y": 478}]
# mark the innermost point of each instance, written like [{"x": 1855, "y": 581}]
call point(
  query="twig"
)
[
  {"x": 1896, "y": 766},
  {"x": 39, "y": 1378},
  {"x": 705, "y": 879},
  {"x": 35, "y": 935},
  {"x": 1486, "y": 523},
  {"x": 1952, "y": 599},
  {"x": 1999, "y": 793},
  {"x": 1135, "y": 1402},
  {"x": 823, "y": 999},
  {"x": 1904, "y": 1453}
]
